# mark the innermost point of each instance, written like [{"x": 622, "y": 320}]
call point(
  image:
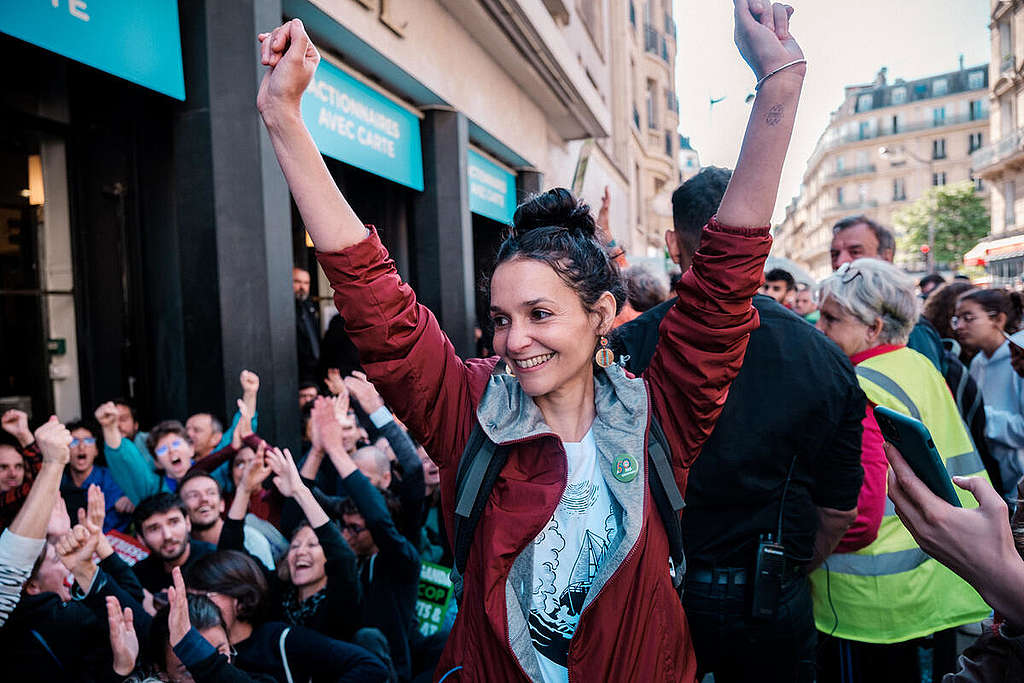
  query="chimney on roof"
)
[
  {"x": 961, "y": 62},
  {"x": 880, "y": 80}
]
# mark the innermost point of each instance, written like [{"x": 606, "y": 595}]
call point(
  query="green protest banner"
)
[{"x": 435, "y": 593}]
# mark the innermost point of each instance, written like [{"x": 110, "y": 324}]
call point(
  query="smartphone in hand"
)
[{"x": 914, "y": 442}]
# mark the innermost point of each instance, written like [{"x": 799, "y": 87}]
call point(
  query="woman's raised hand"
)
[
  {"x": 292, "y": 59},
  {"x": 763, "y": 38}
]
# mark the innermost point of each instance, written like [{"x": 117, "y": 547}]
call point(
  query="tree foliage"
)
[{"x": 960, "y": 217}]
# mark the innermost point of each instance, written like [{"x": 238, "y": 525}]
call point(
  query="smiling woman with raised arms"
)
[{"x": 568, "y": 575}]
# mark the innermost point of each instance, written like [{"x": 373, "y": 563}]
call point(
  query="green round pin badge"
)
[{"x": 626, "y": 468}]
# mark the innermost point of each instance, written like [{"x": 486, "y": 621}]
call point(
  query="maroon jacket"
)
[{"x": 632, "y": 626}]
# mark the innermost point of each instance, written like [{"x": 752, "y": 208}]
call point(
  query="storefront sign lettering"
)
[
  {"x": 353, "y": 123},
  {"x": 492, "y": 189}
]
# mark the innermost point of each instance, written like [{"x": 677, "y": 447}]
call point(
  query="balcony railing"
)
[
  {"x": 855, "y": 205},
  {"x": 847, "y": 172},
  {"x": 999, "y": 150},
  {"x": 655, "y": 43},
  {"x": 885, "y": 131}
]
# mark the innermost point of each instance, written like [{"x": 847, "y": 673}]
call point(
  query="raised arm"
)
[
  {"x": 292, "y": 58},
  {"x": 703, "y": 338}
]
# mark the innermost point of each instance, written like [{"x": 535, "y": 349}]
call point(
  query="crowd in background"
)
[{"x": 260, "y": 565}]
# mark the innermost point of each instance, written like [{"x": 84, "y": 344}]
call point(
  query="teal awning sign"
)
[
  {"x": 353, "y": 123},
  {"x": 138, "y": 41},
  {"x": 492, "y": 189}
]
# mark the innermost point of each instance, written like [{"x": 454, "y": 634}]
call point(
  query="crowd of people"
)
[{"x": 551, "y": 476}]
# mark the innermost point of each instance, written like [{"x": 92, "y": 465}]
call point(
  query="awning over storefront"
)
[
  {"x": 353, "y": 123},
  {"x": 138, "y": 41},
  {"x": 995, "y": 250},
  {"x": 492, "y": 189}
]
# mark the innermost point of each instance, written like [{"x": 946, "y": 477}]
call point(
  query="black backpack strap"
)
[
  {"x": 481, "y": 463},
  {"x": 667, "y": 497}
]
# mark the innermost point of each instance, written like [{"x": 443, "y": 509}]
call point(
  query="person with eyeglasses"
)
[
  {"x": 874, "y": 606},
  {"x": 990, "y": 320},
  {"x": 82, "y": 471}
]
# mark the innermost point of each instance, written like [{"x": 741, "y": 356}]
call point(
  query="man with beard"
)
[
  {"x": 204, "y": 502},
  {"x": 163, "y": 524},
  {"x": 307, "y": 327}
]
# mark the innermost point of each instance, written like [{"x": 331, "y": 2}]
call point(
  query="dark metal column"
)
[
  {"x": 444, "y": 232},
  {"x": 233, "y": 221},
  {"x": 528, "y": 182}
]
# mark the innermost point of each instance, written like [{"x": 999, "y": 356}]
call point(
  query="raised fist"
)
[
  {"x": 364, "y": 392},
  {"x": 250, "y": 382},
  {"x": 15, "y": 423},
  {"x": 292, "y": 59},
  {"x": 54, "y": 441},
  {"x": 106, "y": 414}
]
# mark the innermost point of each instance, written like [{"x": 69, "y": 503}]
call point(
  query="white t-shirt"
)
[{"x": 566, "y": 555}]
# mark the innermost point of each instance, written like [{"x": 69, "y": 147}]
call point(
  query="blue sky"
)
[{"x": 845, "y": 43}]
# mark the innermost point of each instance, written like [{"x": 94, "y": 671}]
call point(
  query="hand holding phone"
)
[{"x": 914, "y": 442}]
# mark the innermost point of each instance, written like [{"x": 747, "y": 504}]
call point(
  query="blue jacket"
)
[{"x": 1003, "y": 391}]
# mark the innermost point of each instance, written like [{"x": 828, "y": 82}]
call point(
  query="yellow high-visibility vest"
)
[{"x": 891, "y": 591}]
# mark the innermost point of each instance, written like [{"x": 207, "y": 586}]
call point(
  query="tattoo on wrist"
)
[{"x": 774, "y": 115}]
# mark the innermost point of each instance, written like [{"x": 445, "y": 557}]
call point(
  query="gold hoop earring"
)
[{"x": 604, "y": 356}]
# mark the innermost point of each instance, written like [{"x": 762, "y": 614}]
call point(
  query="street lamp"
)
[{"x": 893, "y": 154}]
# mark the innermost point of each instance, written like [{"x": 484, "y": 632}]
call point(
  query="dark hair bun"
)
[{"x": 554, "y": 208}]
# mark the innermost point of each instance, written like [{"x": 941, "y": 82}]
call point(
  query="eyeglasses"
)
[
  {"x": 354, "y": 529},
  {"x": 177, "y": 443},
  {"x": 965, "y": 319},
  {"x": 87, "y": 441}
]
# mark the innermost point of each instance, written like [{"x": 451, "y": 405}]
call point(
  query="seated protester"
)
[
  {"x": 408, "y": 485},
  {"x": 235, "y": 583},
  {"x": 60, "y": 633},
  {"x": 389, "y": 566},
  {"x": 19, "y": 479},
  {"x": 189, "y": 626},
  {"x": 22, "y": 543},
  {"x": 170, "y": 443},
  {"x": 204, "y": 502},
  {"x": 162, "y": 522},
  {"x": 433, "y": 542},
  {"x": 12, "y": 468},
  {"x": 128, "y": 424},
  {"x": 82, "y": 472},
  {"x": 316, "y": 585}
]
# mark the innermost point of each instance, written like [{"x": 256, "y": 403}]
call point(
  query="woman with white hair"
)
[{"x": 878, "y": 601}]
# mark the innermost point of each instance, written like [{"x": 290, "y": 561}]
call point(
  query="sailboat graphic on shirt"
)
[{"x": 583, "y": 572}]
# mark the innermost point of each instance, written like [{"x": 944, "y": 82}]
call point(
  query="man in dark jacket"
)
[
  {"x": 307, "y": 327},
  {"x": 793, "y": 414}
]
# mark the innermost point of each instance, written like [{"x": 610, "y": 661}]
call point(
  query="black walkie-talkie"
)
[{"x": 771, "y": 561}]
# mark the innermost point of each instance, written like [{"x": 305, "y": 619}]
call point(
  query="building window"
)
[
  {"x": 652, "y": 111},
  {"x": 864, "y": 130},
  {"x": 1009, "y": 194},
  {"x": 865, "y": 102},
  {"x": 840, "y": 164},
  {"x": 899, "y": 189},
  {"x": 974, "y": 141},
  {"x": 939, "y": 178},
  {"x": 1006, "y": 46},
  {"x": 976, "y": 80},
  {"x": 590, "y": 12},
  {"x": 668, "y": 142},
  {"x": 977, "y": 110},
  {"x": 940, "y": 86},
  {"x": 632, "y": 13},
  {"x": 979, "y": 186},
  {"x": 939, "y": 116},
  {"x": 839, "y": 196},
  {"x": 896, "y": 124},
  {"x": 939, "y": 148},
  {"x": 899, "y": 95}
]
